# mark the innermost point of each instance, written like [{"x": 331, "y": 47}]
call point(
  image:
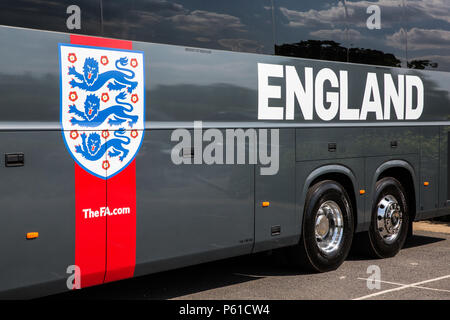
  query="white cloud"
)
[
  {"x": 437, "y": 9},
  {"x": 241, "y": 45},
  {"x": 337, "y": 34},
  {"x": 156, "y": 12},
  {"x": 355, "y": 14},
  {"x": 311, "y": 18},
  {"x": 421, "y": 39},
  {"x": 207, "y": 23}
]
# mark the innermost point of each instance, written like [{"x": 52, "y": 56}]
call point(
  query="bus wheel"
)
[
  {"x": 327, "y": 228},
  {"x": 390, "y": 219}
]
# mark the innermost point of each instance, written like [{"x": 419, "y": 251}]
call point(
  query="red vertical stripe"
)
[
  {"x": 121, "y": 248},
  {"x": 105, "y": 247},
  {"x": 90, "y": 233}
]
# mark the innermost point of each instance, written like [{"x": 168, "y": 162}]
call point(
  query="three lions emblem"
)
[{"x": 102, "y": 106}]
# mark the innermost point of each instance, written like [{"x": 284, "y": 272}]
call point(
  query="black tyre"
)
[
  {"x": 327, "y": 229},
  {"x": 390, "y": 219}
]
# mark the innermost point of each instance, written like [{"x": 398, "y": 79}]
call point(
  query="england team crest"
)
[{"x": 102, "y": 106}]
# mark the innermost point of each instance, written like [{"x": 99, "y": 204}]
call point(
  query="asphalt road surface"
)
[{"x": 420, "y": 271}]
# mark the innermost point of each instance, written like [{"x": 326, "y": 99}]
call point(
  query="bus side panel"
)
[
  {"x": 391, "y": 141},
  {"x": 429, "y": 168},
  {"x": 188, "y": 214},
  {"x": 331, "y": 146},
  {"x": 39, "y": 196},
  {"x": 36, "y": 197},
  {"x": 30, "y": 77},
  {"x": 279, "y": 191},
  {"x": 444, "y": 173},
  {"x": 329, "y": 143}
]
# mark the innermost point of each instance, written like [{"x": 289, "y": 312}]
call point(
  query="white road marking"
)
[
  {"x": 401, "y": 288},
  {"x": 402, "y": 284}
]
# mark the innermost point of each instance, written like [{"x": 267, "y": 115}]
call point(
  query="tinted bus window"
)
[
  {"x": 428, "y": 35},
  {"x": 228, "y": 25},
  {"x": 52, "y": 15},
  {"x": 339, "y": 30},
  {"x": 314, "y": 29},
  {"x": 376, "y": 32}
]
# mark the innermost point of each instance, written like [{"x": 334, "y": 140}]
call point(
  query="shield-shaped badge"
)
[{"x": 102, "y": 106}]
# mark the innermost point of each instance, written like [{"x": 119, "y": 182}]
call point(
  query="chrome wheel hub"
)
[
  {"x": 329, "y": 227},
  {"x": 389, "y": 218}
]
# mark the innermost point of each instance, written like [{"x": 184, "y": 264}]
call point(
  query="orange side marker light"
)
[
  {"x": 426, "y": 183},
  {"x": 362, "y": 191},
  {"x": 32, "y": 235},
  {"x": 266, "y": 204}
]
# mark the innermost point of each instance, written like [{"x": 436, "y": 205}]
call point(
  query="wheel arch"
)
[
  {"x": 340, "y": 174},
  {"x": 404, "y": 172}
]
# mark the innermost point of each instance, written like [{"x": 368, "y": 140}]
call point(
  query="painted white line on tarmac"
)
[
  {"x": 401, "y": 288},
  {"x": 402, "y": 284}
]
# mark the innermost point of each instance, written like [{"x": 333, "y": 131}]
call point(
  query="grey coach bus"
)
[{"x": 96, "y": 96}]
